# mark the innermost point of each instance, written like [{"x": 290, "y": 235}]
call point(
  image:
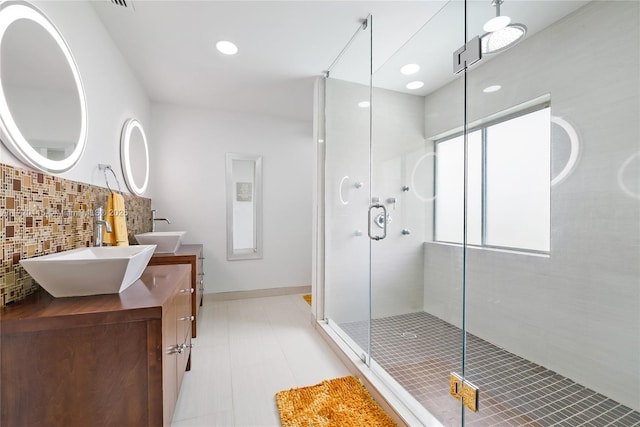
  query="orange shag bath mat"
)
[
  {"x": 307, "y": 298},
  {"x": 341, "y": 402}
]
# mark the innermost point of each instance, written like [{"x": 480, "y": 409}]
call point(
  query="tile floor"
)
[
  {"x": 419, "y": 351},
  {"x": 245, "y": 352}
]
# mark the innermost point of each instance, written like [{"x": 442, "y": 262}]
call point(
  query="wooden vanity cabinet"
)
[
  {"x": 104, "y": 360},
  {"x": 193, "y": 256}
]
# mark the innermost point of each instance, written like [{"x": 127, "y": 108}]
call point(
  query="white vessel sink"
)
[
  {"x": 89, "y": 271},
  {"x": 165, "y": 241}
]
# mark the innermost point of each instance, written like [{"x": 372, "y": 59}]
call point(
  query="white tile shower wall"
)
[
  {"x": 188, "y": 187},
  {"x": 575, "y": 312},
  {"x": 113, "y": 93},
  {"x": 396, "y": 262},
  {"x": 397, "y": 148}
]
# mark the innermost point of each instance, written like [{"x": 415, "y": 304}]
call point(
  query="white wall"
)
[
  {"x": 576, "y": 311},
  {"x": 187, "y": 182},
  {"x": 112, "y": 90}
]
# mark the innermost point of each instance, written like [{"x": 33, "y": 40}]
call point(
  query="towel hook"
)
[{"x": 104, "y": 169}]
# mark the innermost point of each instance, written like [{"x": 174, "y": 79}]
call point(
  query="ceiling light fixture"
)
[
  {"x": 409, "y": 69},
  {"x": 227, "y": 47},
  {"x": 415, "y": 85},
  {"x": 492, "y": 88},
  {"x": 501, "y": 35},
  {"x": 498, "y": 22}
]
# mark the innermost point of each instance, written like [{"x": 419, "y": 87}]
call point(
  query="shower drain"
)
[{"x": 409, "y": 335}]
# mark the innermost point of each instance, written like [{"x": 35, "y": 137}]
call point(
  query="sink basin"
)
[
  {"x": 165, "y": 241},
  {"x": 89, "y": 271}
]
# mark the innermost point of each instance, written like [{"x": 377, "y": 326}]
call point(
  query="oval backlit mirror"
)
[
  {"x": 134, "y": 155},
  {"x": 43, "y": 112}
]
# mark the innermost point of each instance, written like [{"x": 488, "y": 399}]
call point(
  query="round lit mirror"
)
[
  {"x": 134, "y": 155},
  {"x": 43, "y": 113}
]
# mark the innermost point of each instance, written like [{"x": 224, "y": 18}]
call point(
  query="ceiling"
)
[{"x": 283, "y": 46}]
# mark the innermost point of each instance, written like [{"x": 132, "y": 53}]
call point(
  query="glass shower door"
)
[
  {"x": 417, "y": 170},
  {"x": 552, "y": 282},
  {"x": 347, "y": 192}
]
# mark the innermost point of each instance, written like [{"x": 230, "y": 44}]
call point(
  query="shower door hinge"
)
[
  {"x": 463, "y": 390},
  {"x": 468, "y": 54}
]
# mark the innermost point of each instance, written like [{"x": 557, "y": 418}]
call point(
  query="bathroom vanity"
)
[
  {"x": 100, "y": 360},
  {"x": 193, "y": 256}
]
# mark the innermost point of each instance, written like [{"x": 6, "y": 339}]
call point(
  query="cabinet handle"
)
[
  {"x": 190, "y": 318},
  {"x": 178, "y": 349},
  {"x": 190, "y": 290},
  {"x": 183, "y": 347}
]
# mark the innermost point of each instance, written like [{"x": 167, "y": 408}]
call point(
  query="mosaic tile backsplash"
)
[{"x": 42, "y": 214}]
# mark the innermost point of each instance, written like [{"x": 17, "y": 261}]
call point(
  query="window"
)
[{"x": 508, "y": 193}]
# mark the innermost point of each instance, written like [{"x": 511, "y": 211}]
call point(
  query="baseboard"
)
[{"x": 257, "y": 293}]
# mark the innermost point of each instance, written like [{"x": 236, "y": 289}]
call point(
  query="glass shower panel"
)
[
  {"x": 347, "y": 185},
  {"x": 417, "y": 281},
  {"x": 553, "y": 293}
]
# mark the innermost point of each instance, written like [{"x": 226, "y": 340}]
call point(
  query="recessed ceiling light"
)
[
  {"x": 227, "y": 47},
  {"x": 493, "y": 88},
  {"x": 415, "y": 85},
  {"x": 364, "y": 104},
  {"x": 409, "y": 69}
]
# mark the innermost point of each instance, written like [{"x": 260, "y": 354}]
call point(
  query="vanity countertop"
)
[
  {"x": 183, "y": 250},
  {"x": 142, "y": 300}
]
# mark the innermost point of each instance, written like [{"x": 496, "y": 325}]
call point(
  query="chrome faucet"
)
[
  {"x": 154, "y": 219},
  {"x": 97, "y": 226}
]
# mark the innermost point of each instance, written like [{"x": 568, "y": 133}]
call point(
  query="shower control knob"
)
[{"x": 406, "y": 232}]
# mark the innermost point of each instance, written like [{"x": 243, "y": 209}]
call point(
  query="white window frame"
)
[{"x": 482, "y": 126}]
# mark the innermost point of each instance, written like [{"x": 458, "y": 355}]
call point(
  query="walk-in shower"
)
[{"x": 479, "y": 233}]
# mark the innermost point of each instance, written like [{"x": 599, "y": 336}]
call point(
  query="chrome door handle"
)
[{"x": 384, "y": 223}]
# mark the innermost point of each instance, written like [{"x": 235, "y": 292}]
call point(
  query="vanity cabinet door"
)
[
  {"x": 183, "y": 329},
  {"x": 200, "y": 282},
  {"x": 192, "y": 255},
  {"x": 176, "y": 336},
  {"x": 169, "y": 361}
]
